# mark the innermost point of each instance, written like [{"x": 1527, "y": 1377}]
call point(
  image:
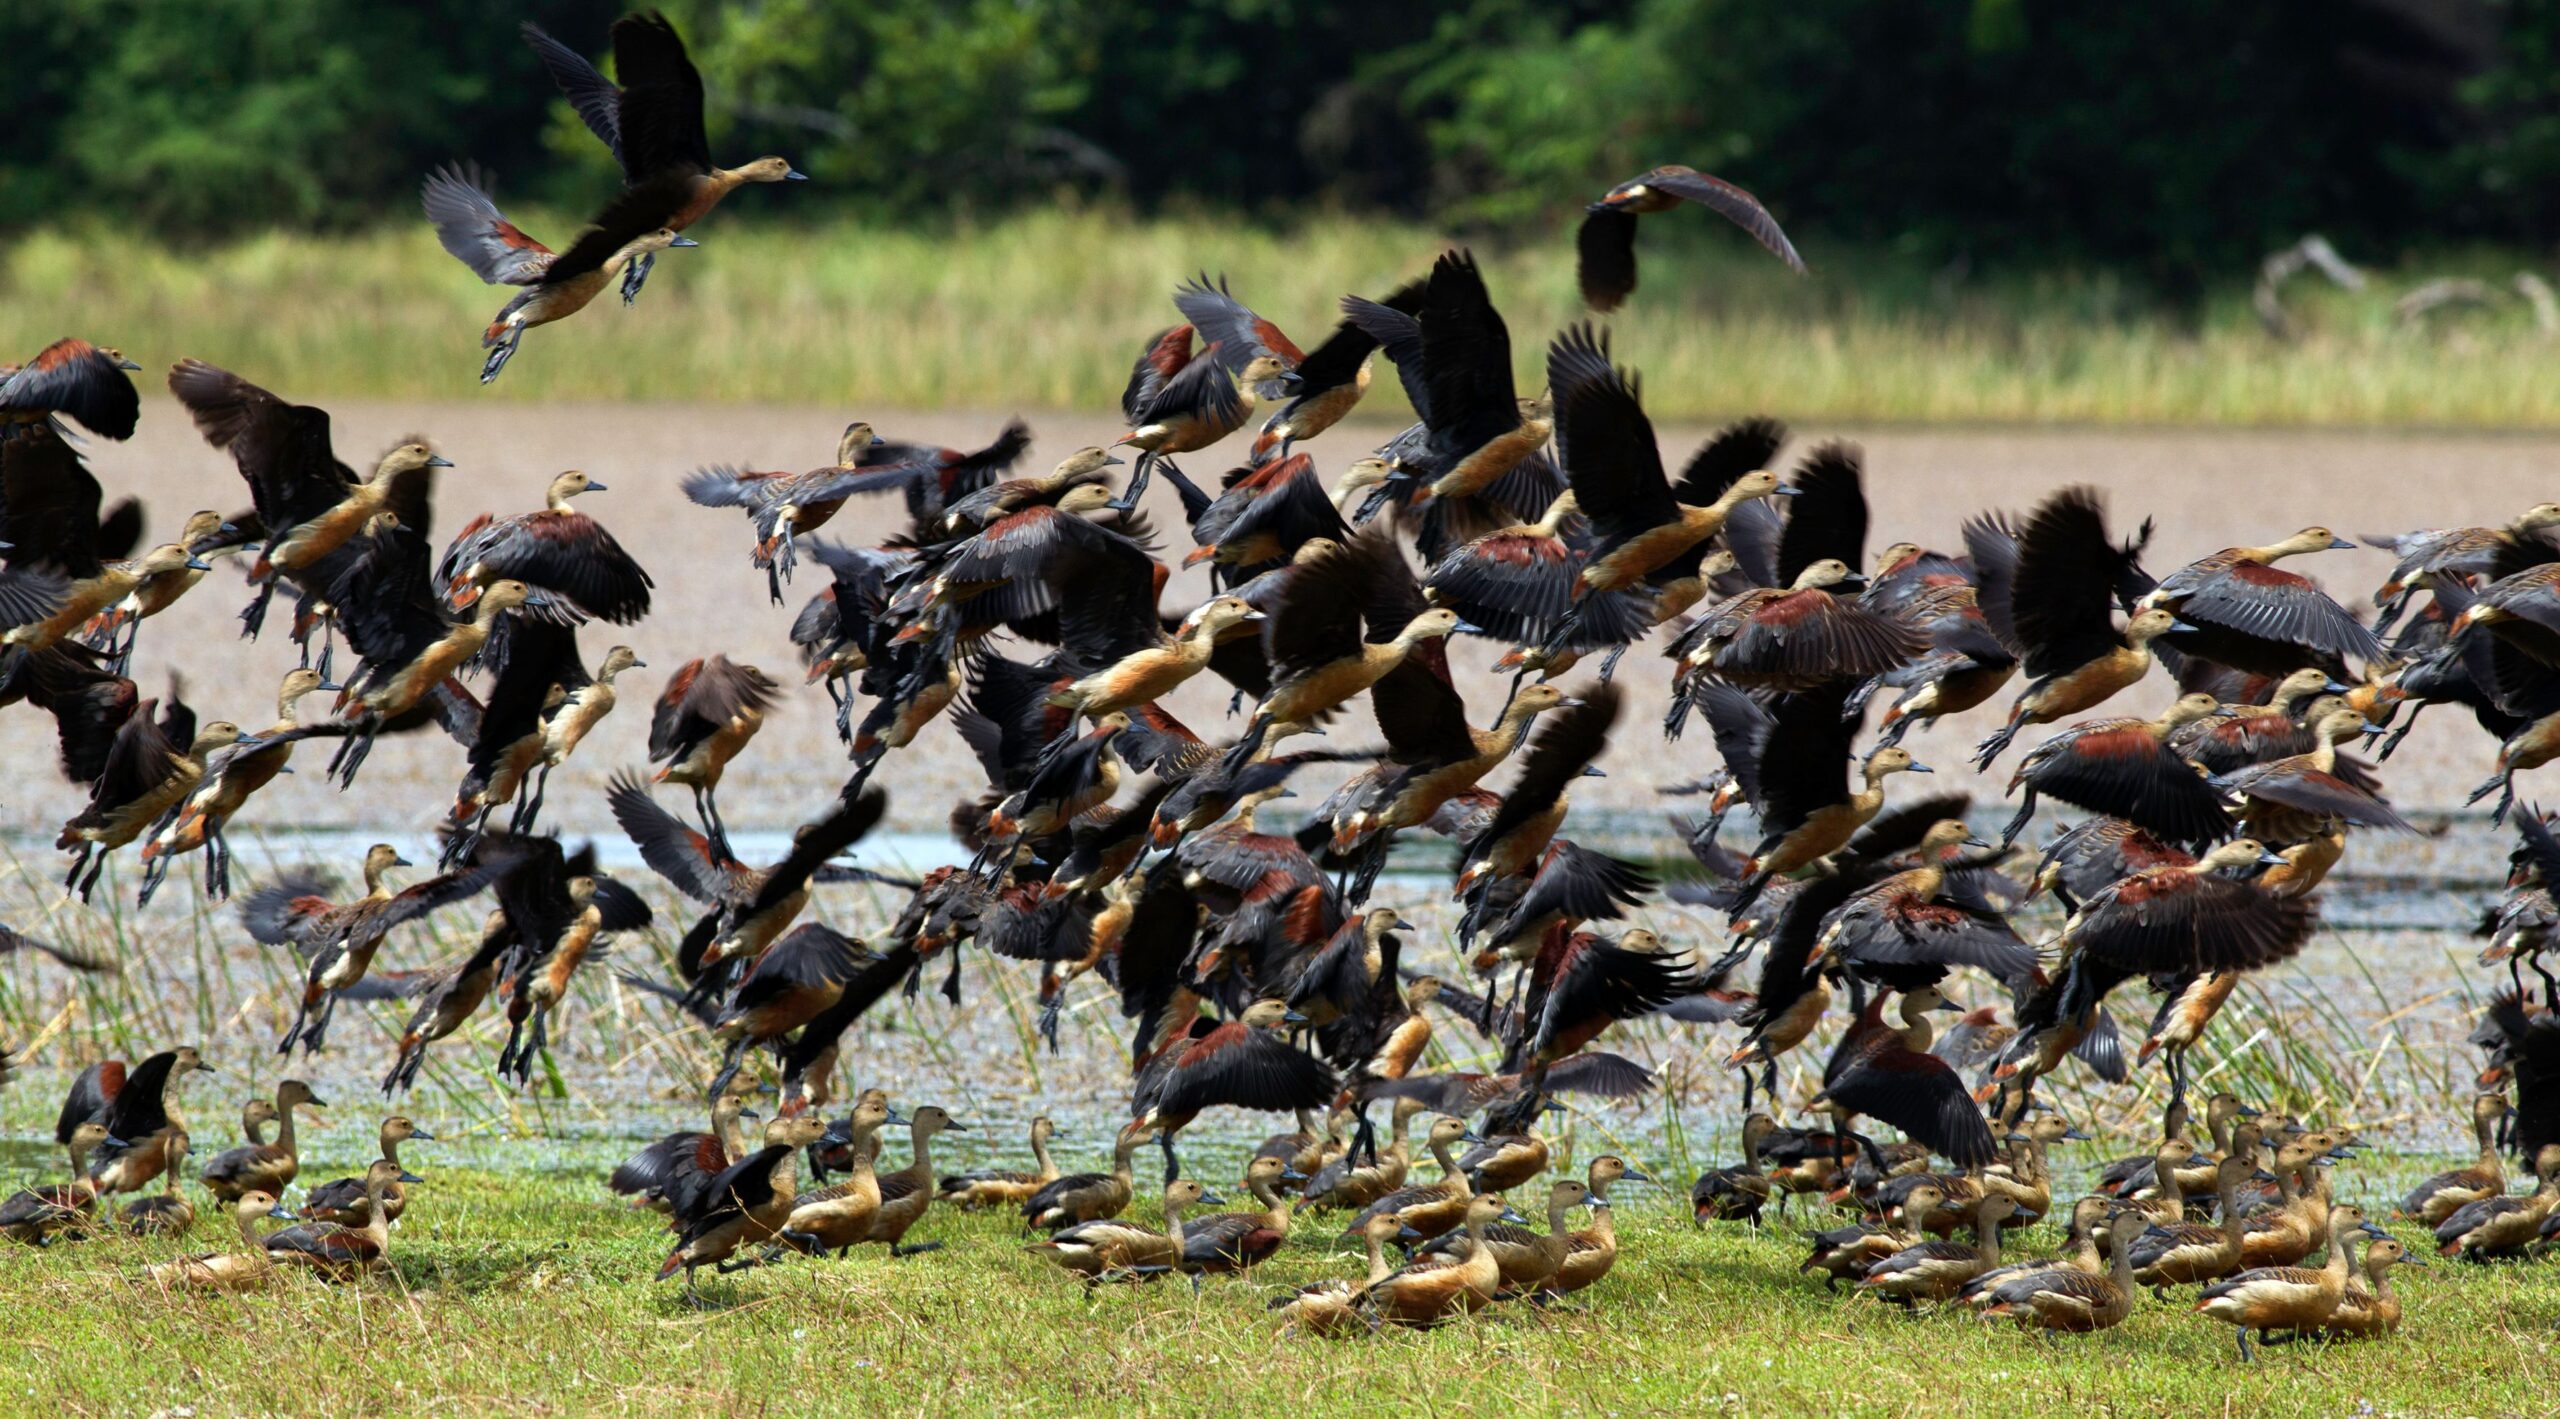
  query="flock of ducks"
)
[{"x": 1023, "y": 613}]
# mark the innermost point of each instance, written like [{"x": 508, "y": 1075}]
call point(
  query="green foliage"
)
[{"x": 2176, "y": 139}]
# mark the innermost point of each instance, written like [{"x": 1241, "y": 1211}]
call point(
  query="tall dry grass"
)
[{"x": 1044, "y": 310}]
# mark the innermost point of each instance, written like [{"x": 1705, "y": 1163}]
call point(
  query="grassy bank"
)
[
  {"x": 527, "y": 1291},
  {"x": 1046, "y": 310}
]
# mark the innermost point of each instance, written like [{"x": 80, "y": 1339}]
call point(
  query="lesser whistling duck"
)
[
  {"x": 1887, "y": 1073},
  {"x": 1736, "y": 1193},
  {"x": 115, "y": 629},
  {"x": 1595, "y": 1248},
  {"x": 580, "y": 709},
  {"x": 981, "y": 1188},
  {"x": 704, "y": 718},
  {"x": 2439, "y": 1197},
  {"x": 340, "y": 1200},
  {"x": 2168, "y": 919},
  {"x": 2238, "y": 734},
  {"x": 1605, "y": 247},
  {"x": 337, "y": 941},
  {"x": 1427, "y": 1209},
  {"x": 2127, "y": 769},
  {"x": 2068, "y": 574},
  {"x": 309, "y": 504},
  {"x": 1475, "y": 447},
  {"x": 1350, "y": 1181},
  {"x": 2086, "y": 1233},
  {"x": 556, "y": 285},
  {"x": 230, "y": 781},
  {"x": 1243, "y": 1063},
  {"x": 2368, "y": 1310},
  {"x": 417, "y": 666},
  {"x": 66, "y": 565},
  {"x": 2244, "y": 611},
  {"x": 904, "y": 1195},
  {"x": 247, "y": 1269},
  {"x": 2430, "y": 555},
  {"x": 157, "y": 760},
  {"x": 1330, "y": 1307},
  {"x": 2504, "y": 1226},
  {"x": 90, "y": 383},
  {"x": 657, "y": 1175},
  {"x": 1529, "y": 1260},
  {"x": 745, "y": 1203},
  {"x": 2188, "y": 1253},
  {"x": 1810, "y": 810},
  {"x": 788, "y": 984},
  {"x": 2070, "y": 1299},
  {"x": 2288, "y": 1298},
  {"x": 1313, "y": 635},
  {"x": 1935, "y": 1271},
  {"x": 135, "y": 1108},
  {"x": 783, "y": 506},
  {"x": 36, "y": 1215},
  {"x": 1643, "y": 520},
  {"x": 1845, "y": 1253},
  {"x": 559, "y": 550},
  {"x": 269, "y": 1167},
  {"x": 838, "y": 1216},
  {"x": 1426, "y": 1295},
  {"x": 1120, "y": 1249},
  {"x": 1236, "y": 1242},
  {"x": 1320, "y": 385},
  {"x": 2292, "y": 798},
  {"x": 651, "y": 120},
  {"x": 1196, "y": 407},
  {"x": 170, "y": 1214},
  {"x": 339, "y": 1253}
]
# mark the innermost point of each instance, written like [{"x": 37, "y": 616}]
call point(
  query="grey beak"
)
[
  {"x": 684, "y": 241},
  {"x": 1786, "y": 490},
  {"x": 1919, "y": 768},
  {"x": 595, "y": 487},
  {"x": 794, "y": 175},
  {"x": 399, "y": 861},
  {"x": 1594, "y": 771},
  {"x": 422, "y": 1135},
  {"x": 2177, "y": 625},
  {"x": 198, "y": 564},
  {"x": 2341, "y": 544},
  {"x": 438, "y": 460},
  {"x": 2270, "y": 859},
  {"x": 407, "y": 1176}
]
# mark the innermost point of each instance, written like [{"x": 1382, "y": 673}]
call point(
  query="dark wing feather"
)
[
  {"x": 2182, "y": 921},
  {"x": 74, "y": 377},
  {"x": 1605, "y": 258},
  {"x": 1731, "y": 203},
  {"x": 1605, "y": 440},
  {"x": 1828, "y": 515},
  {"x": 597, "y": 100},
  {"x": 2065, "y": 586},
  {"x": 659, "y": 117}
]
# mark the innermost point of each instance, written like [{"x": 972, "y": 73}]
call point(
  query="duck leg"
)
[
  {"x": 1138, "y": 475},
  {"x": 636, "y": 275},
  {"x": 253, "y": 617},
  {"x": 1998, "y": 744},
  {"x": 1172, "y": 1164},
  {"x": 504, "y": 351},
  {"x": 2026, "y": 813},
  {"x": 1609, "y": 662}
]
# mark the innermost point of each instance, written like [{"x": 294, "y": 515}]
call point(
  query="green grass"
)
[
  {"x": 531, "y": 1292},
  {"x": 1045, "y": 311}
]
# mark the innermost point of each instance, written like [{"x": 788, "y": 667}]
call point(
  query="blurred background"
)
[{"x": 2015, "y": 209}]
